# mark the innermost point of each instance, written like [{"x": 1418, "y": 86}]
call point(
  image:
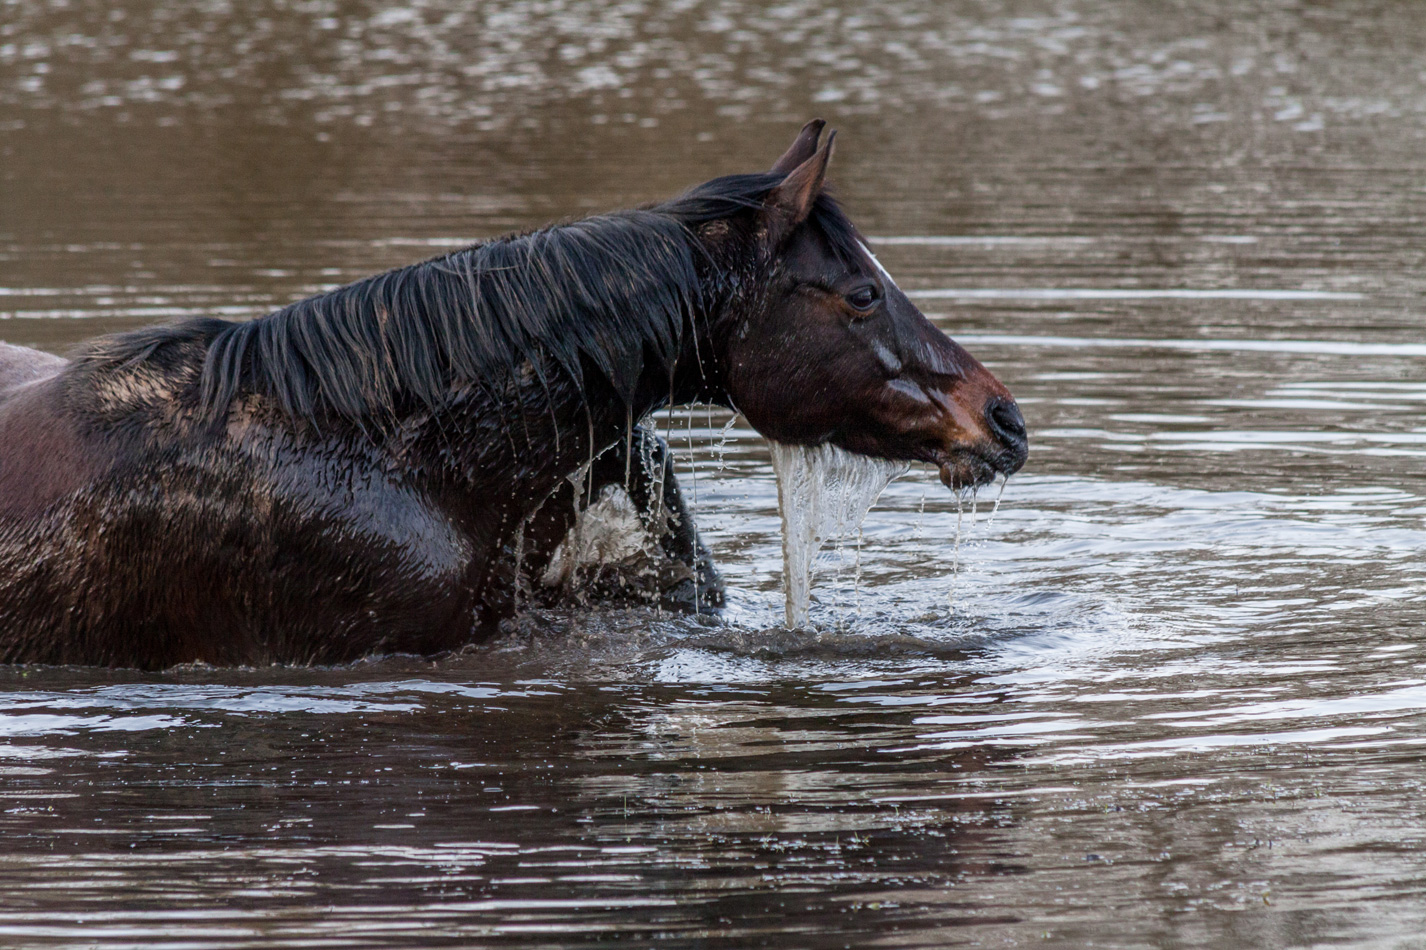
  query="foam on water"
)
[{"x": 823, "y": 492}]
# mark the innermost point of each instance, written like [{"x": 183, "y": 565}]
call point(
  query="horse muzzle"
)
[{"x": 1002, "y": 451}]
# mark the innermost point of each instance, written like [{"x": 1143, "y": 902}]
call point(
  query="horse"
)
[{"x": 389, "y": 467}]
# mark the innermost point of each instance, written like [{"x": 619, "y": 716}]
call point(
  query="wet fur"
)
[
  {"x": 557, "y": 302},
  {"x": 388, "y": 466},
  {"x": 350, "y": 475}
]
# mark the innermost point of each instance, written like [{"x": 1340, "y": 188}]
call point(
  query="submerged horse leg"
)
[{"x": 636, "y": 478}]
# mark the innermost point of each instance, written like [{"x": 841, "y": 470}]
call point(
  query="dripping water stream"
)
[{"x": 824, "y": 493}]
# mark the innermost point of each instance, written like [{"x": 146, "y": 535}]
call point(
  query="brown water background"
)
[{"x": 1181, "y": 698}]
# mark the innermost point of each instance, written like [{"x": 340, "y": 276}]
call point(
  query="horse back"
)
[
  {"x": 132, "y": 539},
  {"x": 43, "y": 455},
  {"x": 20, "y": 365}
]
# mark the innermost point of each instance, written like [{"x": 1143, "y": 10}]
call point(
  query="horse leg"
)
[{"x": 643, "y": 467}]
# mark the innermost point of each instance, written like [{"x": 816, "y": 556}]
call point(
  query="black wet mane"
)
[{"x": 602, "y": 290}]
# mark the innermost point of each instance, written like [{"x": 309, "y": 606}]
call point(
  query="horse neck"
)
[{"x": 541, "y": 425}]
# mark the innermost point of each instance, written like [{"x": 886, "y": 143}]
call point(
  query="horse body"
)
[
  {"x": 268, "y": 541},
  {"x": 390, "y": 466}
]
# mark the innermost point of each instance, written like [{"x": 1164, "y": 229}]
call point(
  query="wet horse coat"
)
[{"x": 385, "y": 467}]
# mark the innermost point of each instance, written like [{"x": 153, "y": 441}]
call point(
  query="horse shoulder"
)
[
  {"x": 361, "y": 558},
  {"x": 331, "y": 495}
]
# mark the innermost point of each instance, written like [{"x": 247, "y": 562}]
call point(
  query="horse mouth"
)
[{"x": 968, "y": 469}]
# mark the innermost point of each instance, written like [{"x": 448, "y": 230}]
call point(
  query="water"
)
[
  {"x": 1181, "y": 701},
  {"x": 823, "y": 494}
]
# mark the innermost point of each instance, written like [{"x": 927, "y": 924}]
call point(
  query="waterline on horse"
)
[{"x": 386, "y": 467}]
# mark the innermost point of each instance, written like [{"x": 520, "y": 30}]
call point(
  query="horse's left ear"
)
[{"x": 789, "y": 204}]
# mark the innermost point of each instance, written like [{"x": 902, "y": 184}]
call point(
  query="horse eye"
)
[{"x": 864, "y": 298}]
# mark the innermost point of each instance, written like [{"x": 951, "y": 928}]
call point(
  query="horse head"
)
[{"x": 822, "y": 346}]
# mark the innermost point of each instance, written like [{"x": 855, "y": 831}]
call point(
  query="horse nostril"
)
[{"x": 1007, "y": 423}]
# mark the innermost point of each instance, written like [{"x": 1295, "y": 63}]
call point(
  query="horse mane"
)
[{"x": 605, "y": 289}]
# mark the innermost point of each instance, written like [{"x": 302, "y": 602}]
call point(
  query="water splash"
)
[
  {"x": 823, "y": 492},
  {"x": 693, "y": 484},
  {"x": 720, "y": 445},
  {"x": 607, "y": 531}
]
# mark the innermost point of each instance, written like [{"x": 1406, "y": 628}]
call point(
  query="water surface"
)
[{"x": 1175, "y": 694}]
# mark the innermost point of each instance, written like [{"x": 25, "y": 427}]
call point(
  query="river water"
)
[{"x": 1176, "y": 693}]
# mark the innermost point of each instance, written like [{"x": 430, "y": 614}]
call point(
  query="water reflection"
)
[{"x": 675, "y": 807}]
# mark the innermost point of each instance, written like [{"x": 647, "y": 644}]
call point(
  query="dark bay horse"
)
[{"x": 389, "y": 465}]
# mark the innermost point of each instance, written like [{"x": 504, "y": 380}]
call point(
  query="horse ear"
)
[
  {"x": 789, "y": 204},
  {"x": 803, "y": 148}
]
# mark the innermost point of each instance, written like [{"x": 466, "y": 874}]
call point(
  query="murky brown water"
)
[{"x": 1181, "y": 699}]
